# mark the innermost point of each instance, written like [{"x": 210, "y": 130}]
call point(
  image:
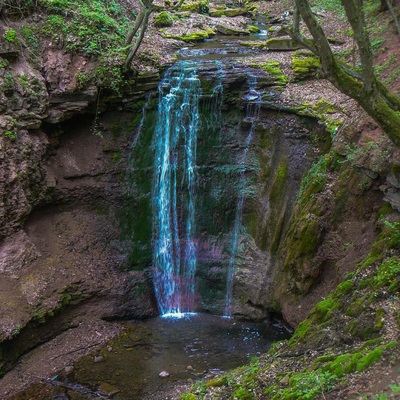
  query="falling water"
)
[
  {"x": 253, "y": 98},
  {"x": 174, "y": 251},
  {"x": 145, "y": 109}
]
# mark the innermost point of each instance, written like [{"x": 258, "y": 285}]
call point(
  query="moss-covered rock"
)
[
  {"x": 163, "y": 19},
  {"x": 229, "y": 30},
  {"x": 253, "y": 29},
  {"x": 282, "y": 44},
  {"x": 254, "y": 44},
  {"x": 200, "y": 7},
  {"x": 305, "y": 66},
  {"x": 229, "y": 12},
  {"x": 273, "y": 68},
  {"x": 195, "y": 36}
]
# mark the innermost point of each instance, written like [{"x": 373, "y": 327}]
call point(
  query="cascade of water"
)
[
  {"x": 177, "y": 123},
  {"x": 212, "y": 108},
  {"x": 136, "y": 138},
  {"x": 253, "y": 98},
  {"x": 145, "y": 109}
]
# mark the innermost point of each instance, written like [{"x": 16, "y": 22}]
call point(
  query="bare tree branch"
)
[
  {"x": 140, "y": 26},
  {"x": 393, "y": 14}
]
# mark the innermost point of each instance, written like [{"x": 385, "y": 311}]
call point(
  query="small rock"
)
[
  {"x": 109, "y": 349},
  {"x": 68, "y": 369},
  {"x": 190, "y": 368},
  {"x": 163, "y": 374},
  {"x": 108, "y": 389},
  {"x": 284, "y": 381},
  {"x": 98, "y": 359}
]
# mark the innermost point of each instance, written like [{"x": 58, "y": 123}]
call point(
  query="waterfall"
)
[
  {"x": 174, "y": 256},
  {"x": 253, "y": 98}
]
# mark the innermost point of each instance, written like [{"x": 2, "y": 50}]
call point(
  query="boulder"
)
[{"x": 230, "y": 30}]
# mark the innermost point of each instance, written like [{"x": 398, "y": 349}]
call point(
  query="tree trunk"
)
[
  {"x": 135, "y": 46},
  {"x": 365, "y": 88},
  {"x": 138, "y": 22},
  {"x": 394, "y": 16}
]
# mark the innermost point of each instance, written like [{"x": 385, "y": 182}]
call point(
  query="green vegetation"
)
[
  {"x": 91, "y": 27},
  {"x": 164, "y": 18},
  {"x": 273, "y": 68},
  {"x": 331, "y": 5},
  {"x": 305, "y": 65},
  {"x": 10, "y": 135},
  {"x": 96, "y": 28},
  {"x": 30, "y": 37},
  {"x": 306, "y": 385},
  {"x": 253, "y": 29},
  {"x": 195, "y": 36},
  {"x": 315, "y": 179},
  {"x": 11, "y": 36},
  {"x": 376, "y": 281},
  {"x": 228, "y": 12},
  {"x": 4, "y": 63},
  {"x": 195, "y": 6}
]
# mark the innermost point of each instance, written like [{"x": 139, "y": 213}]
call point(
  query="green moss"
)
[
  {"x": 10, "y": 135},
  {"x": 242, "y": 394},
  {"x": 356, "y": 307},
  {"x": 273, "y": 68},
  {"x": 196, "y": 36},
  {"x": 324, "y": 309},
  {"x": 228, "y": 30},
  {"x": 11, "y": 36},
  {"x": 380, "y": 318},
  {"x": 228, "y": 12},
  {"x": 306, "y": 241},
  {"x": 324, "y": 107},
  {"x": 189, "y": 396},
  {"x": 363, "y": 328},
  {"x": 255, "y": 44},
  {"x": 305, "y": 67},
  {"x": 195, "y": 6},
  {"x": 301, "y": 332},
  {"x": 373, "y": 357},
  {"x": 221, "y": 381},
  {"x": 315, "y": 179},
  {"x": 325, "y": 358},
  {"x": 388, "y": 274},
  {"x": 385, "y": 210},
  {"x": 344, "y": 288},
  {"x": 279, "y": 181},
  {"x": 344, "y": 364},
  {"x": 253, "y": 29},
  {"x": 164, "y": 18}
]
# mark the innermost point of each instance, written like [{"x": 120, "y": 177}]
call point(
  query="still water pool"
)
[{"x": 195, "y": 347}]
